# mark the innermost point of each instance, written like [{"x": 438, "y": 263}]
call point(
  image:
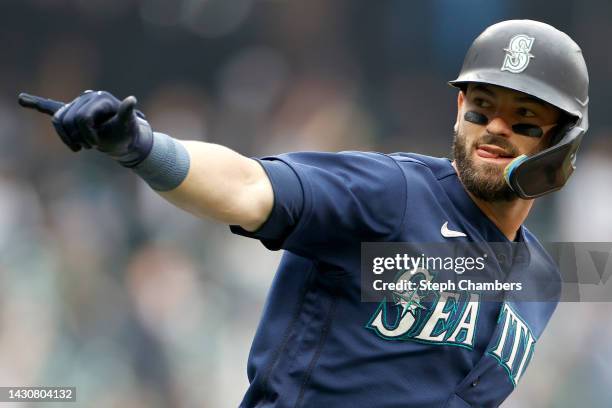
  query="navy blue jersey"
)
[{"x": 319, "y": 345}]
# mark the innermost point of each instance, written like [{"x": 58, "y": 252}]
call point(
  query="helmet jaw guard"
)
[
  {"x": 546, "y": 171},
  {"x": 541, "y": 61}
]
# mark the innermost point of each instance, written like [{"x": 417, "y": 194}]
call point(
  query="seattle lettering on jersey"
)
[
  {"x": 451, "y": 319},
  {"x": 515, "y": 345}
]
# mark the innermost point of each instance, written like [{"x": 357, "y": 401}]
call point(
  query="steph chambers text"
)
[{"x": 462, "y": 284}]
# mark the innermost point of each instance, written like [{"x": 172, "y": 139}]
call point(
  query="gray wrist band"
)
[{"x": 166, "y": 166}]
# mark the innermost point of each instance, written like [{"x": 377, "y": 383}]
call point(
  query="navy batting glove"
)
[{"x": 98, "y": 119}]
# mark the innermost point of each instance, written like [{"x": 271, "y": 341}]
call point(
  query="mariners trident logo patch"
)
[{"x": 518, "y": 53}]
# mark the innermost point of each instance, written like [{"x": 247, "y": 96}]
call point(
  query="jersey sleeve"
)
[{"x": 324, "y": 202}]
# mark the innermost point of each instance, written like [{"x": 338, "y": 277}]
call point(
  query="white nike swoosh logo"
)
[{"x": 447, "y": 233}]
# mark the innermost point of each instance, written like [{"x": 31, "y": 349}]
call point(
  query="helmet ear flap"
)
[
  {"x": 548, "y": 170},
  {"x": 565, "y": 123}
]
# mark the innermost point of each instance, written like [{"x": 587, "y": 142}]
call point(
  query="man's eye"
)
[
  {"x": 481, "y": 103},
  {"x": 526, "y": 113}
]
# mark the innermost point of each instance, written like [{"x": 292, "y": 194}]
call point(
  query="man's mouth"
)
[{"x": 489, "y": 151}]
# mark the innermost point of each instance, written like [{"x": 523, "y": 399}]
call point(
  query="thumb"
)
[{"x": 126, "y": 109}]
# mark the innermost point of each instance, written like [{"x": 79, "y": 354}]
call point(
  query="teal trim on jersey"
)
[
  {"x": 465, "y": 305},
  {"x": 450, "y": 307},
  {"x": 504, "y": 367},
  {"x": 441, "y": 343},
  {"x": 461, "y": 336}
]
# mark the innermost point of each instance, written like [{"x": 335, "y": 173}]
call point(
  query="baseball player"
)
[{"x": 521, "y": 114}]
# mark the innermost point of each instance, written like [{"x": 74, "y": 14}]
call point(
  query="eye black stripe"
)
[
  {"x": 475, "y": 117},
  {"x": 525, "y": 129}
]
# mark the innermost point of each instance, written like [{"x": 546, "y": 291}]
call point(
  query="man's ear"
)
[{"x": 460, "y": 101}]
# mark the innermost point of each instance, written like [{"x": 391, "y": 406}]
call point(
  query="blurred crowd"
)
[{"x": 108, "y": 288}]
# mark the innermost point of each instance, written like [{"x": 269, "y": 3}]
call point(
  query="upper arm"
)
[{"x": 324, "y": 201}]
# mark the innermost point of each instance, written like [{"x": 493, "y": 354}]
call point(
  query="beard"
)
[{"x": 484, "y": 180}]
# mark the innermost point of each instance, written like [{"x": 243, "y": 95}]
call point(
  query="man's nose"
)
[{"x": 498, "y": 126}]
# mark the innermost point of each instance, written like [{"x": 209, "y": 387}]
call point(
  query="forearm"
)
[
  {"x": 223, "y": 185},
  {"x": 202, "y": 178}
]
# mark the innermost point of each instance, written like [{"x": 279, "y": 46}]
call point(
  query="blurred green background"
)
[{"x": 108, "y": 288}]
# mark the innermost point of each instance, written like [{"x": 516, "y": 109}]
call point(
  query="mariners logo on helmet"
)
[{"x": 518, "y": 53}]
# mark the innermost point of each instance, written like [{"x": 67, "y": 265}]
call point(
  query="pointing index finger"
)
[{"x": 48, "y": 106}]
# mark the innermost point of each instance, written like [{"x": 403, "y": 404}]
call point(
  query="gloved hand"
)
[{"x": 98, "y": 119}]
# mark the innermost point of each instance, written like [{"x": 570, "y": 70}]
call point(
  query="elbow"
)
[{"x": 256, "y": 205}]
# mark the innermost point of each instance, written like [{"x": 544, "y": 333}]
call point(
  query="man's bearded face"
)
[{"x": 494, "y": 126}]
